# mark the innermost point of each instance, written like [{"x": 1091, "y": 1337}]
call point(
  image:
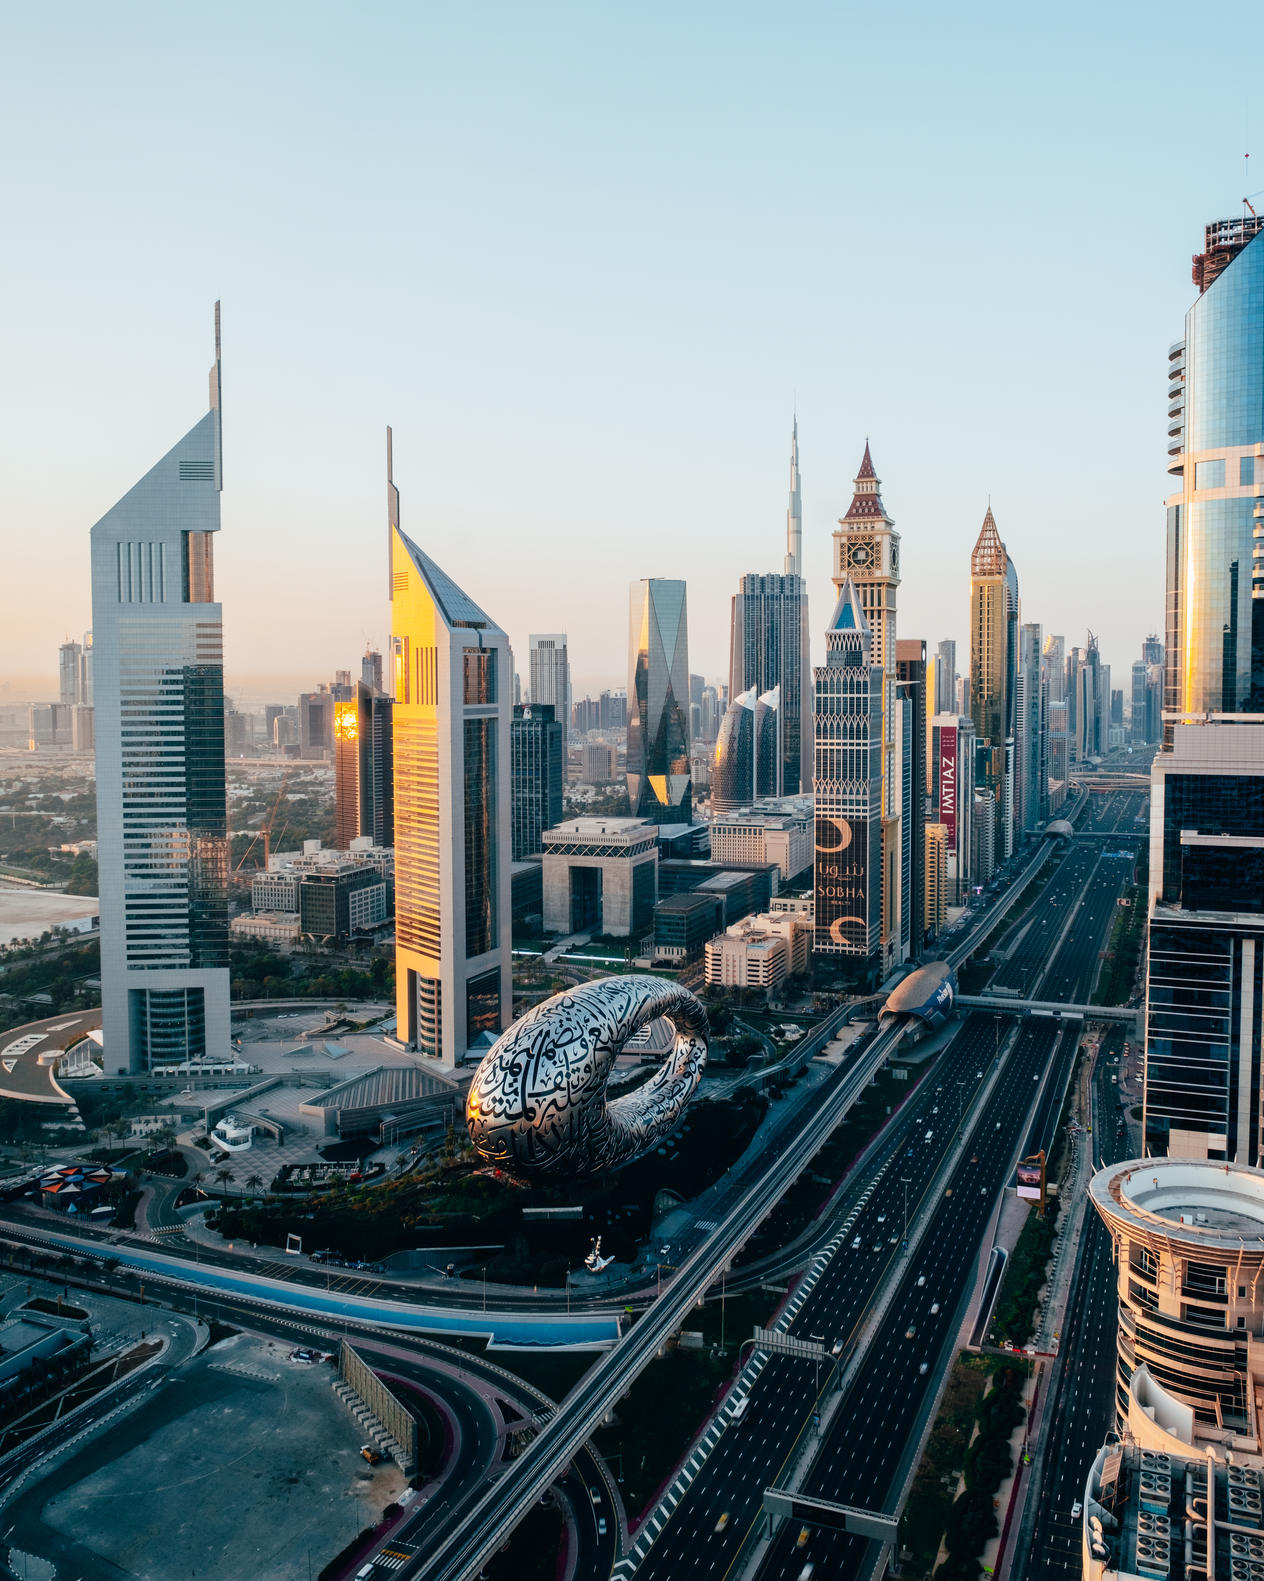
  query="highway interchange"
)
[{"x": 891, "y": 1313}]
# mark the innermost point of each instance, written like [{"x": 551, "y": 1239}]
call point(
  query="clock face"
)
[
  {"x": 895, "y": 560},
  {"x": 860, "y": 554}
]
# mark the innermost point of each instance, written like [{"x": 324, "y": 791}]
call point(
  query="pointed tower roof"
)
[
  {"x": 456, "y": 607},
  {"x": 866, "y": 506},
  {"x": 848, "y": 614},
  {"x": 988, "y": 557}
]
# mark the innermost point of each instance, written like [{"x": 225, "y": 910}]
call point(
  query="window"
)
[
  {"x": 480, "y": 676},
  {"x": 1246, "y": 471},
  {"x": 1210, "y": 474}
]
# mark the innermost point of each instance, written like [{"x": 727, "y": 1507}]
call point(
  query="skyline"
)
[{"x": 591, "y": 325}]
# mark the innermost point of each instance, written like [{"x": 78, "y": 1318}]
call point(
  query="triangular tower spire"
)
[
  {"x": 988, "y": 558},
  {"x": 866, "y": 504},
  {"x": 794, "y": 515}
]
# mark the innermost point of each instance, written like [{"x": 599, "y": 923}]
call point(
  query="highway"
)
[{"x": 1081, "y": 1408}]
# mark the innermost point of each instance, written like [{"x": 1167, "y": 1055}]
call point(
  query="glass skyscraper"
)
[
  {"x": 452, "y": 673},
  {"x": 161, "y": 799},
  {"x": 660, "y": 785},
  {"x": 1215, "y": 522}
]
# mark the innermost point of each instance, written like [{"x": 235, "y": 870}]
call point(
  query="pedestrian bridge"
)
[{"x": 1129, "y": 1015}]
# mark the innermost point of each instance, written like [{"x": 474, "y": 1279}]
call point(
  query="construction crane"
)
[{"x": 265, "y": 829}]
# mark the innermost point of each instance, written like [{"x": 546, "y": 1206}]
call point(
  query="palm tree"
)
[
  {"x": 253, "y": 1182},
  {"x": 224, "y": 1176}
]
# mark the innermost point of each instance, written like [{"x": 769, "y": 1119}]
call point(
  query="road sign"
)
[
  {"x": 833, "y": 1517},
  {"x": 772, "y": 1339}
]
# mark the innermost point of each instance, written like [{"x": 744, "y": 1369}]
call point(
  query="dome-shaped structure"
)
[
  {"x": 928, "y": 994},
  {"x": 1059, "y": 829},
  {"x": 767, "y": 743}
]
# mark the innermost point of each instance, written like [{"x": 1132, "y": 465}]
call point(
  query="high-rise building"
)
[
  {"x": 952, "y": 798},
  {"x": 936, "y": 913},
  {"x": 316, "y": 723},
  {"x": 867, "y": 552},
  {"x": 550, "y": 677},
  {"x": 85, "y": 671},
  {"x": 1215, "y": 541},
  {"x": 1053, "y": 667},
  {"x": 911, "y": 677},
  {"x": 70, "y": 673},
  {"x": 364, "y": 781},
  {"x": 161, "y": 795},
  {"x": 944, "y": 700},
  {"x": 658, "y": 769},
  {"x": 769, "y": 645},
  {"x": 537, "y": 745},
  {"x": 847, "y": 774},
  {"x": 1032, "y": 734},
  {"x": 453, "y": 674},
  {"x": 746, "y": 765},
  {"x": 994, "y": 675},
  {"x": 371, "y": 669}
]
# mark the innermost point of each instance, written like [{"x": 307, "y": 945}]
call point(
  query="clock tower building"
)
[{"x": 867, "y": 552}]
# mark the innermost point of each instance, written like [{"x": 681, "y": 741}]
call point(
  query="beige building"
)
[
  {"x": 600, "y": 876},
  {"x": 936, "y": 877},
  {"x": 1189, "y": 1255},
  {"x": 779, "y": 832},
  {"x": 759, "y": 951}
]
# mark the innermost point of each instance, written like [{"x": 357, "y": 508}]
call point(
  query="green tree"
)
[{"x": 83, "y": 876}]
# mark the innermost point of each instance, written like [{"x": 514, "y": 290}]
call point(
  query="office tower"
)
[
  {"x": 794, "y": 511},
  {"x": 364, "y": 790},
  {"x": 1053, "y": 667},
  {"x": 994, "y": 675},
  {"x": 453, "y": 673},
  {"x": 769, "y": 647},
  {"x": 983, "y": 829},
  {"x": 1091, "y": 701},
  {"x": 70, "y": 673},
  {"x": 945, "y": 698},
  {"x": 1215, "y": 546},
  {"x": 709, "y": 710},
  {"x": 746, "y": 764},
  {"x": 371, "y": 669},
  {"x": 161, "y": 800},
  {"x": 537, "y": 748},
  {"x": 935, "y": 914},
  {"x": 952, "y": 797},
  {"x": 658, "y": 771},
  {"x": 847, "y": 774},
  {"x": 911, "y": 678},
  {"x": 316, "y": 723},
  {"x": 867, "y": 552},
  {"x": 550, "y": 677},
  {"x": 1059, "y": 754},
  {"x": 1137, "y": 695},
  {"x": 1032, "y": 736},
  {"x": 85, "y": 671}
]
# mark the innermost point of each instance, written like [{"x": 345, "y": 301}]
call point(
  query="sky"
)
[{"x": 588, "y": 260}]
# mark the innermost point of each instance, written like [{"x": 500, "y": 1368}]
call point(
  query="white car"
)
[{"x": 1077, "y": 1509}]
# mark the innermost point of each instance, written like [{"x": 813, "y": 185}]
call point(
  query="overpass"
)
[{"x": 1129, "y": 1015}]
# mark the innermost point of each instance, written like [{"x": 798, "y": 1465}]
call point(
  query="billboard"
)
[
  {"x": 842, "y": 896},
  {"x": 948, "y": 783},
  {"x": 1030, "y": 1180}
]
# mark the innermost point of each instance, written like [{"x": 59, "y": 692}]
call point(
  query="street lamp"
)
[{"x": 905, "y": 1182}]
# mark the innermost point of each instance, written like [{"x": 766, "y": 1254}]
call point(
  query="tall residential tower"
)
[
  {"x": 659, "y": 775},
  {"x": 158, "y": 680}
]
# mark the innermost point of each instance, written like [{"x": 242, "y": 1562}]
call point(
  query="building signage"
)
[
  {"x": 842, "y": 891},
  {"x": 1030, "y": 1179},
  {"x": 948, "y": 783}
]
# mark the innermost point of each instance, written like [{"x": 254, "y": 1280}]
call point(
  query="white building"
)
[
  {"x": 759, "y": 951},
  {"x": 550, "y": 674},
  {"x": 600, "y": 876},
  {"x": 159, "y": 716},
  {"x": 453, "y": 684}
]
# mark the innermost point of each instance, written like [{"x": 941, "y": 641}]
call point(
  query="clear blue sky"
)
[{"x": 584, "y": 258}]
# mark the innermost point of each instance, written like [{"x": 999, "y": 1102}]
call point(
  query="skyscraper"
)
[
  {"x": 993, "y": 676},
  {"x": 867, "y": 552},
  {"x": 746, "y": 764},
  {"x": 161, "y": 797},
  {"x": 537, "y": 746},
  {"x": 770, "y": 646},
  {"x": 70, "y": 673},
  {"x": 364, "y": 782},
  {"x": 848, "y": 779},
  {"x": 1032, "y": 734},
  {"x": 550, "y": 678},
  {"x": 911, "y": 672},
  {"x": 453, "y": 679},
  {"x": 659, "y": 783},
  {"x": 1215, "y": 548},
  {"x": 945, "y": 698},
  {"x": 1204, "y": 1002},
  {"x": 371, "y": 669}
]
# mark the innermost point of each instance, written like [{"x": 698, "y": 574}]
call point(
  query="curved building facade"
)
[
  {"x": 733, "y": 771},
  {"x": 1215, "y": 528},
  {"x": 1189, "y": 1255}
]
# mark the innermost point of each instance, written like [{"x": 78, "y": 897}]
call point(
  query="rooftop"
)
[{"x": 1212, "y": 1205}]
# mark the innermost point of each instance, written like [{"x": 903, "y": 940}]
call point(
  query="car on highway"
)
[
  {"x": 855, "y": 1245},
  {"x": 601, "y": 1526},
  {"x": 722, "y": 1522},
  {"x": 1077, "y": 1509},
  {"x": 877, "y": 1246},
  {"x": 934, "y": 1308},
  {"x": 910, "y": 1331},
  {"x": 801, "y": 1541},
  {"x": 923, "y": 1369}
]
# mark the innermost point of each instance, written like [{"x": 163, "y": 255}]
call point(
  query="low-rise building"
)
[
  {"x": 777, "y": 831},
  {"x": 600, "y": 875},
  {"x": 759, "y": 951},
  {"x": 269, "y": 927},
  {"x": 684, "y": 923}
]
